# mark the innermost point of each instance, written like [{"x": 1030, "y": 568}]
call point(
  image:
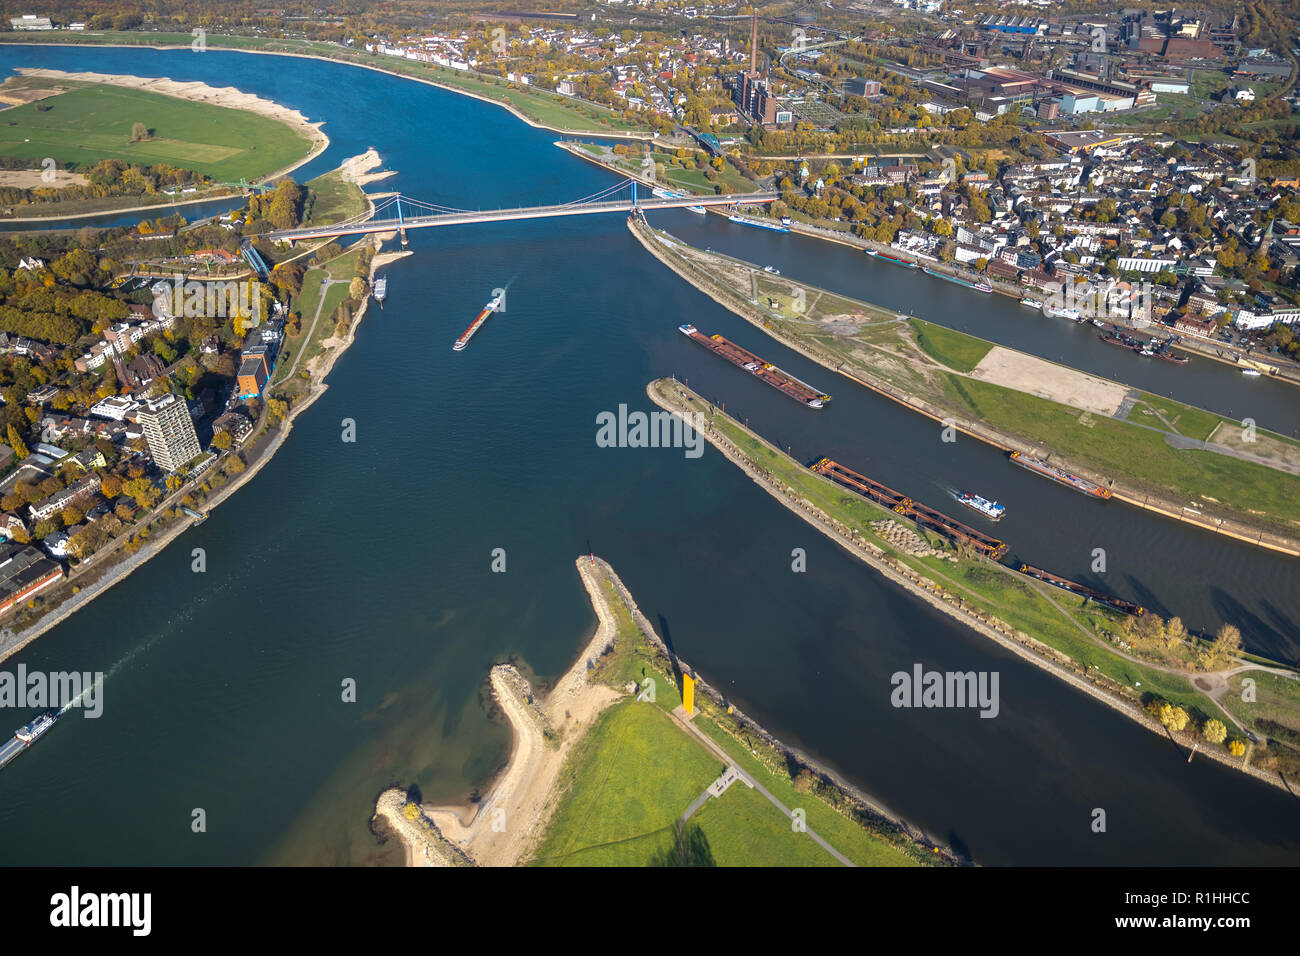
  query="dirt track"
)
[{"x": 1035, "y": 376}]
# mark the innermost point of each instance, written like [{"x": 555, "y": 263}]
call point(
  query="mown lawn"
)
[
  {"x": 94, "y": 121},
  {"x": 630, "y": 779},
  {"x": 1126, "y": 451},
  {"x": 957, "y": 351}
]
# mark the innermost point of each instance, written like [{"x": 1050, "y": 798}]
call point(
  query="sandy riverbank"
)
[
  {"x": 668, "y": 395},
  {"x": 504, "y": 828},
  {"x": 610, "y": 134}
]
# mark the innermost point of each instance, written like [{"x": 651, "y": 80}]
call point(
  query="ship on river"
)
[
  {"x": 1037, "y": 465},
  {"x": 381, "y": 290},
  {"x": 492, "y": 306},
  {"x": 888, "y": 257},
  {"x": 958, "y": 280},
  {"x": 662, "y": 193},
  {"x": 760, "y": 223},
  {"x": 27, "y": 735},
  {"x": 743, "y": 358}
]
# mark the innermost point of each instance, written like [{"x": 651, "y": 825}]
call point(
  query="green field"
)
[
  {"x": 1119, "y": 448},
  {"x": 632, "y": 777},
  {"x": 334, "y": 200},
  {"x": 91, "y": 122},
  {"x": 959, "y": 352},
  {"x": 637, "y": 771}
]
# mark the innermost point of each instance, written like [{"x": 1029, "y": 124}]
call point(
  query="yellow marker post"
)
[{"x": 688, "y": 693}]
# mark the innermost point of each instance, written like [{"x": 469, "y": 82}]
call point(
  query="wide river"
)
[{"x": 371, "y": 560}]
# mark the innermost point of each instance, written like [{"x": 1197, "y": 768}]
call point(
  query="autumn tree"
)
[
  {"x": 1214, "y": 731},
  {"x": 1175, "y": 632},
  {"x": 142, "y": 490},
  {"x": 17, "y": 444},
  {"x": 1227, "y": 644}
]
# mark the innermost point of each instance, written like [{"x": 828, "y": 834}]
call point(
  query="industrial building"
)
[{"x": 24, "y": 572}]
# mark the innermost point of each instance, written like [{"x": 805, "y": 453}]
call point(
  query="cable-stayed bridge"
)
[{"x": 402, "y": 212}]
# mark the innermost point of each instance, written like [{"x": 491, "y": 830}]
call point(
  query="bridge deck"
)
[{"x": 504, "y": 215}]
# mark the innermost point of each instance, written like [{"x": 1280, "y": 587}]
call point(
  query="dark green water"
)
[{"x": 371, "y": 561}]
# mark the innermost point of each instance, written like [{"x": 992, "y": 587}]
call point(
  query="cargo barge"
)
[
  {"x": 924, "y": 516},
  {"x": 26, "y": 735},
  {"x": 468, "y": 334},
  {"x": 1037, "y": 465},
  {"x": 958, "y": 280},
  {"x": 381, "y": 290},
  {"x": 1065, "y": 584},
  {"x": 760, "y": 224},
  {"x": 897, "y": 260},
  {"x": 769, "y": 373}
]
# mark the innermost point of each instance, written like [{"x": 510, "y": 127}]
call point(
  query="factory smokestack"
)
[{"x": 753, "y": 44}]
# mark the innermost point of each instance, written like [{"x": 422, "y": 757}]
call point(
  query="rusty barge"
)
[
  {"x": 781, "y": 380},
  {"x": 923, "y": 515},
  {"x": 1074, "y": 587}
]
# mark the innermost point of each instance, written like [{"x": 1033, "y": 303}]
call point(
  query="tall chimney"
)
[{"x": 753, "y": 45}]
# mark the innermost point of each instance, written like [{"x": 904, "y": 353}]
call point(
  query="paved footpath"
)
[{"x": 751, "y": 782}]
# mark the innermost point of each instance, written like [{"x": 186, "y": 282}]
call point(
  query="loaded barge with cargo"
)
[
  {"x": 769, "y": 373},
  {"x": 924, "y": 516},
  {"x": 959, "y": 534},
  {"x": 468, "y": 334},
  {"x": 1038, "y": 466}
]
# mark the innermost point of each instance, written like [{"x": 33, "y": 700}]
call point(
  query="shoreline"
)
[
  {"x": 725, "y": 297},
  {"x": 1018, "y": 642},
  {"x": 523, "y": 796},
  {"x": 509, "y": 107},
  {"x": 198, "y": 92},
  {"x": 11, "y": 643}
]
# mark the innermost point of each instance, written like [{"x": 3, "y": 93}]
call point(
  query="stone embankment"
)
[{"x": 674, "y": 397}]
